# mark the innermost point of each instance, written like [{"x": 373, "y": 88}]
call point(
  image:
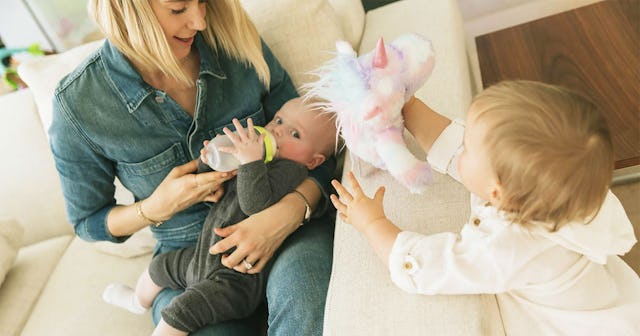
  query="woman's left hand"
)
[{"x": 257, "y": 237}]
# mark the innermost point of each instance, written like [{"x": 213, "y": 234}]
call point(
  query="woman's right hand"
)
[{"x": 182, "y": 188}]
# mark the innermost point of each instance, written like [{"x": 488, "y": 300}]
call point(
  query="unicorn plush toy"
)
[{"x": 367, "y": 93}]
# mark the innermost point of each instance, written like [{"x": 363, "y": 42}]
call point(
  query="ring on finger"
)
[{"x": 247, "y": 264}]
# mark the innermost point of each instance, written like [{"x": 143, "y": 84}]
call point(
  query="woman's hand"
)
[
  {"x": 258, "y": 237},
  {"x": 181, "y": 188}
]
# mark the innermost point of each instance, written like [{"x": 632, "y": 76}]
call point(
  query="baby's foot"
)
[{"x": 123, "y": 296}]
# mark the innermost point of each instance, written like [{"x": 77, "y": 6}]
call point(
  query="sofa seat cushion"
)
[
  {"x": 77, "y": 284},
  {"x": 25, "y": 281}
]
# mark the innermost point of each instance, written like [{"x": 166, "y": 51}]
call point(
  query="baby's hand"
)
[
  {"x": 247, "y": 145},
  {"x": 358, "y": 209}
]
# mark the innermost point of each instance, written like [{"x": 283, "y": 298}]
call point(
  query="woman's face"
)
[{"x": 180, "y": 21}]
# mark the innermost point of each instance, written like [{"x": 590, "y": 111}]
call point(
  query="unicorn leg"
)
[{"x": 401, "y": 163}]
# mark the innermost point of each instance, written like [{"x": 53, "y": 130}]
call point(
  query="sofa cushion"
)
[
  {"x": 351, "y": 14},
  {"x": 77, "y": 284},
  {"x": 25, "y": 281},
  {"x": 30, "y": 190},
  {"x": 42, "y": 75},
  {"x": 300, "y": 33},
  {"x": 359, "y": 278},
  {"x": 10, "y": 241}
]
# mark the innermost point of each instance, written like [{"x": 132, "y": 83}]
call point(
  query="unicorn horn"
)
[{"x": 380, "y": 57}]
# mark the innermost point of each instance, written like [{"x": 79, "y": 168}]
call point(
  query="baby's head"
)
[
  {"x": 303, "y": 133},
  {"x": 537, "y": 151}
]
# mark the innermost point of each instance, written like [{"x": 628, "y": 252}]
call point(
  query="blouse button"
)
[
  {"x": 160, "y": 99},
  {"x": 410, "y": 264},
  {"x": 476, "y": 221}
]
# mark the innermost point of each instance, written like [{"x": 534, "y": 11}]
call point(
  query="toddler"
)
[
  {"x": 545, "y": 231},
  {"x": 214, "y": 293}
]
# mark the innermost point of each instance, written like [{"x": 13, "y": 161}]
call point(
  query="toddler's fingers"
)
[
  {"x": 379, "y": 194},
  {"x": 342, "y": 192},
  {"x": 341, "y": 207},
  {"x": 354, "y": 184}
]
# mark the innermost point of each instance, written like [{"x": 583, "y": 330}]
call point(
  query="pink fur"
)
[{"x": 367, "y": 93}]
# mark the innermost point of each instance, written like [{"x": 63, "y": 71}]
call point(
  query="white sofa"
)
[{"x": 54, "y": 286}]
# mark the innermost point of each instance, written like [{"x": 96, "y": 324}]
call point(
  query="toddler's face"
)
[
  {"x": 474, "y": 166},
  {"x": 295, "y": 134}
]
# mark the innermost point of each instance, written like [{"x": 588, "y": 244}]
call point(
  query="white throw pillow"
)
[
  {"x": 301, "y": 34},
  {"x": 42, "y": 75},
  {"x": 10, "y": 241}
]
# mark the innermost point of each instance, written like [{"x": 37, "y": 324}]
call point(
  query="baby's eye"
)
[
  {"x": 295, "y": 134},
  {"x": 278, "y": 121}
]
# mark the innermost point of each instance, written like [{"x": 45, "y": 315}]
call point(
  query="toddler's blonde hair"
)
[
  {"x": 550, "y": 150},
  {"x": 133, "y": 28}
]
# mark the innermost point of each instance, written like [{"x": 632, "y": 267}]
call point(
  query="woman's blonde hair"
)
[
  {"x": 550, "y": 150},
  {"x": 133, "y": 28}
]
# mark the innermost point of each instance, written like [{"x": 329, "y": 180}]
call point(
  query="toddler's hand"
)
[
  {"x": 247, "y": 145},
  {"x": 358, "y": 209}
]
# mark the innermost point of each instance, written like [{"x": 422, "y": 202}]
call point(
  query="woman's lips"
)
[{"x": 184, "y": 40}]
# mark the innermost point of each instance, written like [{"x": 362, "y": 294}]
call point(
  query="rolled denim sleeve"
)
[{"x": 86, "y": 177}]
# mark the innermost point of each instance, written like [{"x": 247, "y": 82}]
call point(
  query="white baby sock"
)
[{"x": 123, "y": 296}]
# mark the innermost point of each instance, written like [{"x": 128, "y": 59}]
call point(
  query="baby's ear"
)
[{"x": 315, "y": 161}]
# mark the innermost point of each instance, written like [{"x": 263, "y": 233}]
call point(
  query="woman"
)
[{"x": 171, "y": 75}]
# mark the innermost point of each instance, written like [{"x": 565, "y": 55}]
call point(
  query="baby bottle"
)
[{"x": 224, "y": 162}]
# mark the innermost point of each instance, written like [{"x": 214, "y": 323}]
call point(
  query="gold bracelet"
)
[
  {"x": 141, "y": 215},
  {"x": 307, "y": 207}
]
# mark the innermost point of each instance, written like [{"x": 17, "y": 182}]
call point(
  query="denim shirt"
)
[{"x": 108, "y": 122}]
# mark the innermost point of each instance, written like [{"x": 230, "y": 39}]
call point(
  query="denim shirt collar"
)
[{"x": 130, "y": 85}]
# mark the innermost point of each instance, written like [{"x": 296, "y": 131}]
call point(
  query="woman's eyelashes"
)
[{"x": 184, "y": 9}]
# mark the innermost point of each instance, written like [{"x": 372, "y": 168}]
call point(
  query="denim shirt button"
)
[{"x": 160, "y": 99}]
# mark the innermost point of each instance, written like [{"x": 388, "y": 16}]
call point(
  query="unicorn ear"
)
[
  {"x": 380, "y": 57},
  {"x": 343, "y": 47}
]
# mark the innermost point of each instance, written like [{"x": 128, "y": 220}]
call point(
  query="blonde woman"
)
[
  {"x": 545, "y": 231},
  {"x": 170, "y": 75}
]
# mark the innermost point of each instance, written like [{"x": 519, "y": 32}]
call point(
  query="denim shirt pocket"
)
[
  {"x": 143, "y": 177},
  {"x": 257, "y": 117}
]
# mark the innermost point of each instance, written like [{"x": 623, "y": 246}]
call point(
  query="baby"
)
[
  {"x": 544, "y": 233},
  {"x": 214, "y": 293}
]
